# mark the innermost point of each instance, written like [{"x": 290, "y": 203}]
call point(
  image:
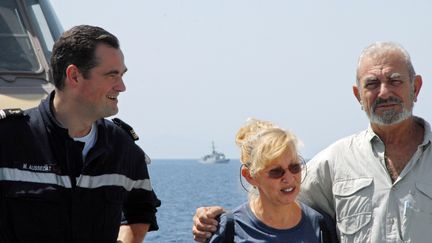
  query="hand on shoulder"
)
[{"x": 205, "y": 223}]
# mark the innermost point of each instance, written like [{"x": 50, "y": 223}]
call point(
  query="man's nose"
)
[
  {"x": 385, "y": 90},
  {"x": 120, "y": 87}
]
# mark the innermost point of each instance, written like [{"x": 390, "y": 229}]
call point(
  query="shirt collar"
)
[
  {"x": 427, "y": 138},
  {"x": 373, "y": 138},
  {"x": 46, "y": 110}
]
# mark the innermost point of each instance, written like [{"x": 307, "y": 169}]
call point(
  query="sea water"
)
[{"x": 183, "y": 186}]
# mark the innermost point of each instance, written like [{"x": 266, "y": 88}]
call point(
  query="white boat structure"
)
[{"x": 214, "y": 158}]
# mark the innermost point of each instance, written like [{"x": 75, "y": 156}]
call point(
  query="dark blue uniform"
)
[{"x": 49, "y": 194}]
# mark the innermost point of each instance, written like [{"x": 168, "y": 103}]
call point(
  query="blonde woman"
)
[{"x": 272, "y": 166}]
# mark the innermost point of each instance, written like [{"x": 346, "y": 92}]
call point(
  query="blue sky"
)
[{"x": 199, "y": 68}]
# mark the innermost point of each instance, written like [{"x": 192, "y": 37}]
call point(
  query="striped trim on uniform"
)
[
  {"x": 2, "y": 114},
  {"x": 9, "y": 174},
  {"x": 84, "y": 181}
]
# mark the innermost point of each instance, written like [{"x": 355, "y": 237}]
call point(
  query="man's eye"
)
[
  {"x": 371, "y": 85},
  {"x": 396, "y": 82}
]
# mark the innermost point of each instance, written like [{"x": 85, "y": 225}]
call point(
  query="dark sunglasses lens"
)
[
  {"x": 294, "y": 168},
  {"x": 276, "y": 173}
]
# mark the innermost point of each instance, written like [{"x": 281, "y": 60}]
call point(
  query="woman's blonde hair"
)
[{"x": 261, "y": 142}]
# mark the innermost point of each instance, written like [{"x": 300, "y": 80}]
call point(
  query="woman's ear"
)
[{"x": 246, "y": 174}]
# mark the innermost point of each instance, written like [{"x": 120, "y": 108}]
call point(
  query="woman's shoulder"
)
[
  {"x": 317, "y": 218},
  {"x": 310, "y": 212},
  {"x": 227, "y": 221},
  {"x": 240, "y": 209},
  {"x": 239, "y": 212},
  {"x": 320, "y": 220}
]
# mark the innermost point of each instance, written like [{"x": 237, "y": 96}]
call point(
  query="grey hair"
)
[{"x": 379, "y": 48}]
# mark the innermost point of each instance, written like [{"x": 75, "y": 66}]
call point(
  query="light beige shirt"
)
[{"x": 349, "y": 181}]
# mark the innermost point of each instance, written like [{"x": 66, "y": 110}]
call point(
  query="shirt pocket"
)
[
  {"x": 418, "y": 214},
  {"x": 423, "y": 206},
  {"x": 353, "y": 206},
  {"x": 35, "y": 211},
  {"x": 426, "y": 190}
]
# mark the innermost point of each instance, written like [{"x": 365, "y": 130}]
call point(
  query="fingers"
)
[
  {"x": 200, "y": 236},
  {"x": 204, "y": 222}
]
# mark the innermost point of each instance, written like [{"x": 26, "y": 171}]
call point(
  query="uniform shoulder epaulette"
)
[
  {"x": 129, "y": 130},
  {"x": 16, "y": 112}
]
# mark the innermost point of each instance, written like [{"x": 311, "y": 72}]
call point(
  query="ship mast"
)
[{"x": 213, "y": 147}]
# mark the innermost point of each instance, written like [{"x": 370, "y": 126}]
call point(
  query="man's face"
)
[
  {"x": 386, "y": 92},
  {"x": 99, "y": 92}
]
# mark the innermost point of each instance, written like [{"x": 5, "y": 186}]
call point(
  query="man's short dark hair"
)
[{"x": 77, "y": 46}]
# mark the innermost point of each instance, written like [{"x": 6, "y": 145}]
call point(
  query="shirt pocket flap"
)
[
  {"x": 349, "y": 187},
  {"x": 425, "y": 188}
]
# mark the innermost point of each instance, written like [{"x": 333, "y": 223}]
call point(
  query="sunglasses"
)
[{"x": 278, "y": 172}]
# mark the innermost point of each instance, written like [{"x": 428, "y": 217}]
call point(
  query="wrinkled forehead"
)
[
  {"x": 389, "y": 75},
  {"x": 389, "y": 65}
]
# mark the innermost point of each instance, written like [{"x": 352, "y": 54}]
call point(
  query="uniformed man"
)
[{"x": 66, "y": 173}]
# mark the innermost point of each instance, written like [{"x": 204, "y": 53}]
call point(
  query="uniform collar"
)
[{"x": 46, "y": 110}]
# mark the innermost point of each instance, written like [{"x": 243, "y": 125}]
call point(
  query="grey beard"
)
[{"x": 390, "y": 117}]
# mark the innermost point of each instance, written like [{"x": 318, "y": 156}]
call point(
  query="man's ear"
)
[
  {"x": 356, "y": 93},
  {"x": 418, "y": 82},
  {"x": 73, "y": 75}
]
